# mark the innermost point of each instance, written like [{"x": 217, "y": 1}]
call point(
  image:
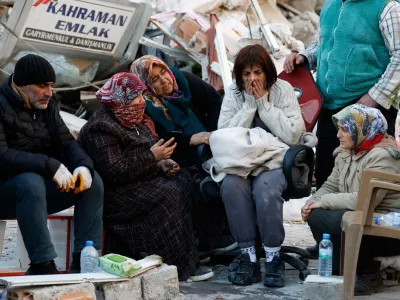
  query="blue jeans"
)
[{"x": 30, "y": 198}]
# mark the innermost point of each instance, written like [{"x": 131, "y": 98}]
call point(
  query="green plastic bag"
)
[{"x": 119, "y": 265}]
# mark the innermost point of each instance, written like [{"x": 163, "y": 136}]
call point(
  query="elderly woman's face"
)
[
  {"x": 163, "y": 83},
  {"x": 345, "y": 138}
]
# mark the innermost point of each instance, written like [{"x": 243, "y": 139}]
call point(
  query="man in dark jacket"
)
[{"x": 37, "y": 153}]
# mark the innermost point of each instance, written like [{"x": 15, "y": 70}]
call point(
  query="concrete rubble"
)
[
  {"x": 184, "y": 36},
  {"x": 156, "y": 284}
]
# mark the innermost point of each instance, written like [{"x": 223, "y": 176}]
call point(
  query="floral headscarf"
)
[
  {"x": 173, "y": 112},
  {"x": 366, "y": 125},
  {"x": 119, "y": 93},
  {"x": 142, "y": 68}
]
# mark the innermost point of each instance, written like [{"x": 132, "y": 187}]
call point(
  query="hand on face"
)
[
  {"x": 258, "y": 88},
  {"x": 254, "y": 81}
]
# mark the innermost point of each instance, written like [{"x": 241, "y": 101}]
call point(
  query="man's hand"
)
[
  {"x": 291, "y": 60},
  {"x": 169, "y": 167},
  {"x": 84, "y": 178},
  {"x": 367, "y": 100},
  {"x": 63, "y": 178},
  {"x": 163, "y": 150}
]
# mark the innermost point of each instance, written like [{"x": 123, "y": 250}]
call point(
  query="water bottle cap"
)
[
  {"x": 89, "y": 243},
  {"x": 326, "y": 236}
]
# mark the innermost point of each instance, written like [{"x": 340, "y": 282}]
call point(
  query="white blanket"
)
[{"x": 243, "y": 152}]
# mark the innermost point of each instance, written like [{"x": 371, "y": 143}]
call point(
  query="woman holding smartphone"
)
[{"x": 181, "y": 105}]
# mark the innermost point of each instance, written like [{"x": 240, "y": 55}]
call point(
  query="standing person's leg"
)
[
  {"x": 328, "y": 221},
  {"x": 327, "y": 143},
  {"x": 88, "y": 215},
  {"x": 237, "y": 197},
  {"x": 267, "y": 194},
  {"x": 390, "y": 116}
]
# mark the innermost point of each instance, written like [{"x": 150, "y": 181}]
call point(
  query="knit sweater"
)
[{"x": 279, "y": 110}]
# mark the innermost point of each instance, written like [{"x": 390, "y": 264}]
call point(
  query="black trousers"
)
[
  {"x": 328, "y": 142},
  {"x": 328, "y": 221}
]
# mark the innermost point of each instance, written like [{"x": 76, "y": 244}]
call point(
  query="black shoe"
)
[
  {"x": 244, "y": 272},
  {"x": 368, "y": 284},
  {"x": 275, "y": 273},
  {"x": 76, "y": 263},
  {"x": 313, "y": 251},
  {"x": 44, "y": 268}
]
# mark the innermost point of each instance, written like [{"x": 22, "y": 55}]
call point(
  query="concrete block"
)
[
  {"x": 161, "y": 284},
  {"x": 83, "y": 291},
  {"x": 131, "y": 289},
  {"x": 323, "y": 288}
]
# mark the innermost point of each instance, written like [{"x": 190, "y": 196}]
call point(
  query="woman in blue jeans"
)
[{"x": 258, "y": 99}]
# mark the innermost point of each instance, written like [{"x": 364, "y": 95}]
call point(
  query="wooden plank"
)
[
  {"x": 272, "y": 44},
  {"x": 288, "y": 7},
  {"x": 147, "y": 264},
  {"x": 226, "y": 73}
]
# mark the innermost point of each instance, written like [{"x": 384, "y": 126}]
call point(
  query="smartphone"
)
[{"x": 175, "y": 134}]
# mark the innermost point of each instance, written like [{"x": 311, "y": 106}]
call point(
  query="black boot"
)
[
  {"x": 275, "y": 273},
  {"x": 244, "y": 272},
  {"x": 370, "y": 281},
  {"x": 76, "y": 263},
  {"x": 44, "y": 268}
]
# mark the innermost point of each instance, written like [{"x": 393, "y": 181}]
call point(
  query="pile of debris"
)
[{"x": 280, "y": 25}]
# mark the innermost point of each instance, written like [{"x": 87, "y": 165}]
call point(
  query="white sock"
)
[
  {"x": 252, "y": 253},
  {"x": 271, "y": 252}
]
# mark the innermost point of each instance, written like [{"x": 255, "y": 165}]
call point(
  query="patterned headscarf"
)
[
  {"x": 366, "y": 125},
  {"x": 119, "y": 93},
  {"x": 143, "y": 67}
]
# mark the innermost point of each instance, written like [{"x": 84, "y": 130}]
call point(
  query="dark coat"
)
[
  {"x": 34, "y": 140},
  {"x": 206, "y": 104},
  {"x": 145, "y": 211}
]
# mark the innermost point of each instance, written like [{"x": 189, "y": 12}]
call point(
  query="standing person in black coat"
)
[{"x": 37, "y": 153}]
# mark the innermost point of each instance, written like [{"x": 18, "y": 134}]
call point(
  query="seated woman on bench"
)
[
  {"x": 258, "y": 99},
  {"x": 364, "y": 144},
  {"x": 149, "y": 200}
]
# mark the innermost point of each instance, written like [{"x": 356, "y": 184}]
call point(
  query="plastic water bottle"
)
[
  {"x": 325, "y": 256},
  {"x": 389, "y": 219},
  {"x": 89, "y": 259}
]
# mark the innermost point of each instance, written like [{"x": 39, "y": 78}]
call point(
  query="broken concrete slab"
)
[
  {"x": 161, "y": 284},
  {"x": 322, "y": 288},
  {"x": 84, "y": 291},
  {"x": 131, "y": 289}
]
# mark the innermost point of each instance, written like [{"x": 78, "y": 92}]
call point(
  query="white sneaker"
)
[{"x": 201, "y": 274}]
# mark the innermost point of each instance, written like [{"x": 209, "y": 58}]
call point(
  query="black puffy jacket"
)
[{"x": 34, "y": 140}]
